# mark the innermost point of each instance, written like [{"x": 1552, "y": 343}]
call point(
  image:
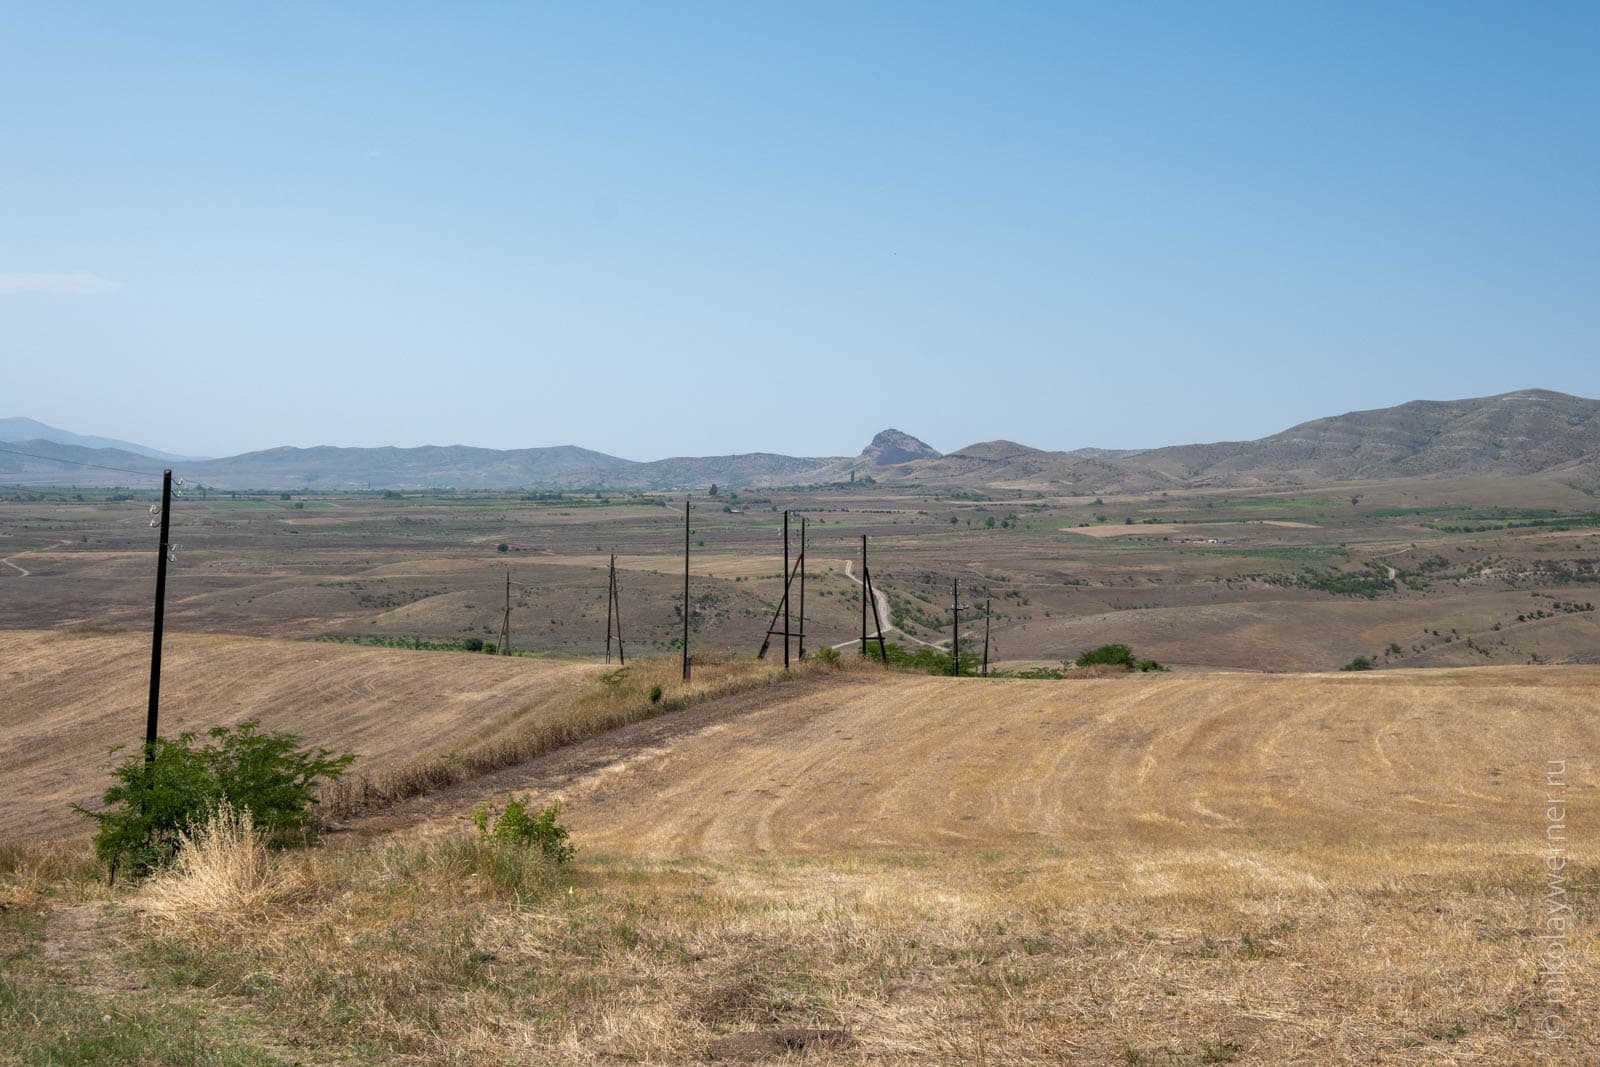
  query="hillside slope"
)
[
  {"x": 904, "y": 762},
  {"x": 66, "y": 699}
]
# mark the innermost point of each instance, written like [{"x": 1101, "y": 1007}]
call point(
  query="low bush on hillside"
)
[
  {"x": 926, "y": 660},
  {"x": 1360, "y": 663},
  {"x": 1116, "y": 656},
  {"x": 156, "y": 801},
  {"x": 515, "y": 825}
]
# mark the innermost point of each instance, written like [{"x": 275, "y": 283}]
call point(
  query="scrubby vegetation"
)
[
  {"x": 174, "y": 787},
  {"x": 1115, "y": 655}
]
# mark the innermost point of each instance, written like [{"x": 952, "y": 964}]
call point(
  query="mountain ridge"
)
[{"x": 1527, "y": 431}]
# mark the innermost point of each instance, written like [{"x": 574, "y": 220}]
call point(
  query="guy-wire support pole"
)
[
  {"x": 505, "y": 625},
  {"x": 955, "y": 628},
  {"x": 611, "y": 599},
  {"x": 865, "y": 593},
  {"x": 872, "y": 595},
  {"x": 772, "y": 624},
  {"x": 153, "y": 713},
  {"x": 802, "y": 587},
  {"x": 787, "y": 624},
  {"x": 988, "y": 609},
  {"x": 686, "y": 587},
  {"x": 616, "y": 598}
]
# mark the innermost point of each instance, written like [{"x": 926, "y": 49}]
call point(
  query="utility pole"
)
[
  {"x": 614, "y": 611},
  {"x": 988, "y": 609},
  {"x": 802, "y": 587},
  {"x": 865, "y": 593},
  {"x": 153, "y": 714},
  {"x": 955, "y": 628},
  {"x": 870, "y": 594},
  {"x": 686, "y": 587},
  {"x": 787, "y": 622},
  {"x": 505, "y": 625}
]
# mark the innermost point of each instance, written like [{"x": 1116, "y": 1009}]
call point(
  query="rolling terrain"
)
[
  {"x": 1528, "y": 432},
  {"x": 68, "y": 698}
]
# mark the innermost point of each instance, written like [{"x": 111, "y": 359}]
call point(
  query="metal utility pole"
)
[
  {"x": 153, "y": 714},
  {"x": 955, "y": 628},
  {"x": 686, "y": 587},
  {"x": 787, "y": 622},
  {"x": 802, "y": 587},
  {"x": 614, "y": 612},
  {"x": 988, "y": 609},
  {"x": 505, "y": 625},
  {"x": 777, "y": 612}
]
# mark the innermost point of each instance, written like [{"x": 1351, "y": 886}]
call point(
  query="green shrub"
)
[
  {"x": 268, "y": 775},
  {"x": 826, "y": 654},
  {"x": 1116, "y": 656},
  {"x": 655, "y": 694},
  {"x": 1360, "y": 663},
  {"x": 515, "y": 826},
  {"x": 926, "y": 660}
]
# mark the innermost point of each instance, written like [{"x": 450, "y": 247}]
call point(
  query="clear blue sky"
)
[{"x": 633, "y": 226}]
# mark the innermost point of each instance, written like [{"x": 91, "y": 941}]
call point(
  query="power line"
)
[{"x": 81, "y": 463}]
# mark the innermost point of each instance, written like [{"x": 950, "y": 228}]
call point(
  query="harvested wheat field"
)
[
  {"x": 850, "y": 867},
  {"x": 912, "y": 763},
  {"x": 66, "y": 698}
]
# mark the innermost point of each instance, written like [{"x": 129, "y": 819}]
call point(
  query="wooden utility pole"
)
[
  {"x": 787, "y": 621},
  {"x": 802, "y": 587},
  {"x": 614, "y": 613},
  {"x": 870, "y": 594},
  {"x": 988, "y": 609},
  {"x": 153, "y": 713},
  {"x": 504, "y": 644},
  {"x": 686, "y": 587},
  {"x": 955, "y": 628}
]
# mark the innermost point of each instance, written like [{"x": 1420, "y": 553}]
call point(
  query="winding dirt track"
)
[
  {"x": 66, "y": 699},
  {"x": 911, "y": 763}
]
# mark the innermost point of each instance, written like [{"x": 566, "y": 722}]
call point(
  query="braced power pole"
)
[
  {"x": 686, "y": 587},
  {"x": 777, "y": 612},
  {"x": 955, "y": 628},
  {"x": 802, "y": 587},
  {"x": 504, "y": 644},
  {"x": 870, "y": 594},
  {"x": 614, "y": 614},
  {"x": 988, "y": 610},
  {"x": 788, "y": 623},
  {"x": 152, "y": 714}
]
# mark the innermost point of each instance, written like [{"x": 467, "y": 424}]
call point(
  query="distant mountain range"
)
[
  {"x": 1532, "y": 431},
  {"x": 19, "y": 429}
]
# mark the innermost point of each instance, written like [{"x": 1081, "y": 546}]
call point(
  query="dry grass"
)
[
  {"x": 223, "y": 872},
  {"x": 85, "y": 693},
  {"x": 1318, "y": 870},
  {"x": 1083, "y": 955},
  {"x": 617, "y": 698}
]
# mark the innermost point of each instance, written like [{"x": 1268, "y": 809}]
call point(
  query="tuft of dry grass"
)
[{"x": 223, "y": 872}]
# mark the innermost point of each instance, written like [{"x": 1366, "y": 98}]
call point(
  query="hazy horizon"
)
[{"x": 624, "y": 229}]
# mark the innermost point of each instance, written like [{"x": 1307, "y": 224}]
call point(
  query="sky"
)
[{"x": 694, "y": 228}]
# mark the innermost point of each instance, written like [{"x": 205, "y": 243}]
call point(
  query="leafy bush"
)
[
  {"x": 154, "y": 802},
  {"x": 1116, "y": 656},
  {"x": 826, "y": 654},
  {"x": 1360, "y": 663},
  {"x": 926, "y": 660},
  {"x": 1113, "y": 654},
  {"x": 655, "y": 694},
  {"x": 515, "y": 826}
]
